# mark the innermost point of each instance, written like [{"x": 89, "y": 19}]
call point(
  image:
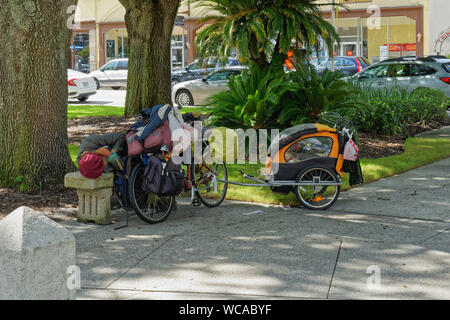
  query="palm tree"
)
[{"x": 262, "y": 30}]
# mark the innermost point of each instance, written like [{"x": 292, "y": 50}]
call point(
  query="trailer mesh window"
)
[{"x": 309, "y": 148}]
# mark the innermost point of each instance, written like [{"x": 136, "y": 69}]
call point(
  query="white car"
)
[
  {"x": 113, "y": 74},
  {"x": 196, "y": 92},
  {"x": 80, "y": 85}
]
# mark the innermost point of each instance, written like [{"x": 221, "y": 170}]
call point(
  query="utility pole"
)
[{"x": 333, "y": 23}]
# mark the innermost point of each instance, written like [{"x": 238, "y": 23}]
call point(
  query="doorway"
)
[{"x": 349, "y": 49}]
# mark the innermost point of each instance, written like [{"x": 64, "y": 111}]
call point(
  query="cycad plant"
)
[
  {"x": 316, "y": 94},
  {"x": 262, "y": 30},
  {"x": 253, "y": 99}
]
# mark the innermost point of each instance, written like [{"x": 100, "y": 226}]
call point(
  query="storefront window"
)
[
  {"x": 110, "y": 48},
  {"x": 80, "y": 52},
  {"x": 360, "y": 38},
  {"x": 116, "y": 43},
  {"x": 123, "y": 47},
  {"x": 179, "y": 50}
]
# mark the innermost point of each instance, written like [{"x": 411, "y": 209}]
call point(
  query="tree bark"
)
[
  {"x": 149, "y": 25},
  {"x": 34, "y": 49}
]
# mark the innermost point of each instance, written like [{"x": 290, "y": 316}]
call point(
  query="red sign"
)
[
  {"x": 349, "y": 53},
  {"x": 409, "y": 47},
  {"x": 398, "y": 47}
]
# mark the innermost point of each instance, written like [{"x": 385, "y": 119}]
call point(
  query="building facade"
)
[
  {"x": 370, "y": 28},
  {"x": 100, "y": 34},
  {"x": 377, "y": 29}
]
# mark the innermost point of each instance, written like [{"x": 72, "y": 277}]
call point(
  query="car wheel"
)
[
  {"x": 184, "y": 98},
  {"x": 115, "y": 88},
  {"x": 82, "y": 99},
  {"x": 97, "y": 83}
]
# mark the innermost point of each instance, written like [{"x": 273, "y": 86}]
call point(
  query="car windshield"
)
[
  {"x": 223, "y": 75},
  {"x": 317, "y": 62},
  {"x": 327, "y": 64},
  {"x": 379, "y": 71},
  {"x": 192, "y": 66},
  {"x": 232, "y": 62},
  {"x": 367, "y": 62},
  {"x": 109, "y": 66}
]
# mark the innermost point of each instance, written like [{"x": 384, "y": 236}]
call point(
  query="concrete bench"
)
[{"x": 94, "y": 196}]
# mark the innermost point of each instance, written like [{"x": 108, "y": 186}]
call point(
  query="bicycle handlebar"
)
[{"x": 338, "y": 121}]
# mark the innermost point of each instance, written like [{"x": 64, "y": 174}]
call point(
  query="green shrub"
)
[
  {"x": 315, "y": 94},
  {"x": 395, "y": 111},
  {"x": 268, "y": 98},
  {"x": 253, "y": 99}
]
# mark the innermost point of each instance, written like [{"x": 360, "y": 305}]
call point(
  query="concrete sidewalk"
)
[{"x": 398, "y": 227}]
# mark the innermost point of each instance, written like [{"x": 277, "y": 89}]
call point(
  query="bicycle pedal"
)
[{"x": 196, "y": 202}]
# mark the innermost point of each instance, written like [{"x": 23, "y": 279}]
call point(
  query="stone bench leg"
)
[
  {"x": 94, "y": 196},
  {"x": 94, "y": 205}
]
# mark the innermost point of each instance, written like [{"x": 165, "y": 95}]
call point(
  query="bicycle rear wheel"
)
[
  {"x": 209, "y": 190},
  {"x": 149, "y": 207}
]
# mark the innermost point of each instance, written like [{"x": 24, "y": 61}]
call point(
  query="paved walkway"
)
[{"x": 396, "y": 230}]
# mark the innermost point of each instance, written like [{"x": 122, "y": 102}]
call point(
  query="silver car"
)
[
  {"x": 410, "y": 73},
  {"x": 195, "y": 92},
  {"x": 113, "y": 74},
  {"x": 80, "y": 85}
]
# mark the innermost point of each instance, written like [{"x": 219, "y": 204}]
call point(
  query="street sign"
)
[
  {"x": 384, "y": 53},
  {"x": 179, "y": 21}
]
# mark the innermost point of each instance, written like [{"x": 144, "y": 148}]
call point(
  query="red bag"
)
[
  {"x": 135, "y": 147},
  {"x": 159, "y": 137}
]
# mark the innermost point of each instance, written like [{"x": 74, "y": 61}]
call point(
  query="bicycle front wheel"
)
[
  {"x": 209, "y": 189},
  {"x": 149, "y": 207}
]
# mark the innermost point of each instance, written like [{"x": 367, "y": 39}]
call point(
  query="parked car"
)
[
  {"x": 196, "y": 71},
  {"x": 347, "y": 65},
  {"x": 113, "y": 74},
  {"x": 85, "y": 68},
  {"x": 195, "y": 92},
  {"x": 80, "y": 85},
  {"x": 410, "y": 73}
]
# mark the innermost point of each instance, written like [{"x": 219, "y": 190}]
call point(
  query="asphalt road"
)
[{"x": 104, "y": 97}]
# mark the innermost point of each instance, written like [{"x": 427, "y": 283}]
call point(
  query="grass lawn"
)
[
  {"x": 74, "y": 111},
  {"x": 418, "y": 152}
]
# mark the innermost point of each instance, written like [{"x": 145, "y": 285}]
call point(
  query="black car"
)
[
  {"x": 196, "y": 71},
  {"x": 347, "y": 65}
]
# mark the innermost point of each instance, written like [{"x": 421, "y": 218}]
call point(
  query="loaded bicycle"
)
[
  {"x": 307, "y": 160},
  {"x": 206, "y": 184}
]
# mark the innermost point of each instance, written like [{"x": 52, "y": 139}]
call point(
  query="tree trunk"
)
[
  {"x": 149, "y": 25},
  {"x": 34, "y": 49}
]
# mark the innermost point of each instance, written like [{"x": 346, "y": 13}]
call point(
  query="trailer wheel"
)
[{"x": 314, "y": 196}]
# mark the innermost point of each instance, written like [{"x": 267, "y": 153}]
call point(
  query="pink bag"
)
[
  {"x": 135, "y": 147},
  {"x": 159, "y": 137},
  {"x": 351, "y": 151}
]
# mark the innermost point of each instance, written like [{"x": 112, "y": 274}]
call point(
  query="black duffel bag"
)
[{"x": 163, "y": 179}]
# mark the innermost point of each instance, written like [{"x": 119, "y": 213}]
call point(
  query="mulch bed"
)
[{"x": 371, "y": 146}]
